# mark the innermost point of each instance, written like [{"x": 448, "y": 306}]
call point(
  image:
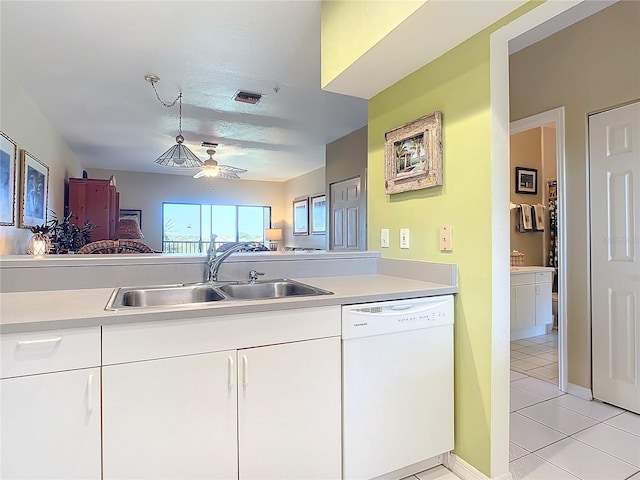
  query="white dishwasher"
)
[{"x": 397, "y": 385}]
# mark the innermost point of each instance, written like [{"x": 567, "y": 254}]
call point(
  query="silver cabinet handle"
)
[
  {"x": 245, "y": 371},
  {"x": 90, "y": 394},
  {"x": 24, "y": 343},
  {"x": 230, "y": 372}
]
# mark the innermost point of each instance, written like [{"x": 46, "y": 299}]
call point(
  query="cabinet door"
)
[
  {"x": 50, "y": 426},
  {"x": 289, "y": 404},
  {"x": 171, "y": 418},
  {"x": 525, "y": 306},
  {"x": 544, "y": 313}
]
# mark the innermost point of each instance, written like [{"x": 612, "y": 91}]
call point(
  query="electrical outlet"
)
[
  {"x": 384, "y": 237},
  {"x": 446, "y": 238},
  {"x": 404, "y": 238}
]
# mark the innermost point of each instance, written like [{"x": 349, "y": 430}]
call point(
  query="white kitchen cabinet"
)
[
  {"x": 525, "y": 306},
  {"x": 530, "y": 301},
  {"x": 50, "y": 405},
  {"x": 50, "y": 426},
  {"x": 267, "y": 399},
  {"x": 172, "y": 418},
  {"x": 289, "y": 411},
  {"x": 544, "y": 314}
]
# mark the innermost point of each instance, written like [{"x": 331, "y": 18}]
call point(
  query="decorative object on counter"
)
[
  {"x": 212, "y": 169},
  {"x": 527, "y": 180},
  {"x": 131, "y": 214},
  {"x": 517, "y": 259},
  {"x": 40, "y": 243},
  {"x": 178, "y": 155},
  {"x": 413, "y": 155},
  {"x": 34, "y": 183},
  {"x": 67, "y": 237},
  {"x": 273, "y": 236},
  {"x": 128, "y": 228},
  {"x": 319, "y": 214},
  {"x": 8, "y": 163},
  {"x": 301, "y": 216},
  {"x": 114, "y": 246}
]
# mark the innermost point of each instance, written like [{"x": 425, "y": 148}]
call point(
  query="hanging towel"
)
[
  {"x": 538, "y": 218},
  {"x": 526, "y": 221}
]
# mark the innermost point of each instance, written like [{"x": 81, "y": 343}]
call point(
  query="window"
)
[{"x": 187, "y": 227}]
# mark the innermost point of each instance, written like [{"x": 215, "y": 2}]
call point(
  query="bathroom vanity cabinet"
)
[{"x": 531, "y": 303}]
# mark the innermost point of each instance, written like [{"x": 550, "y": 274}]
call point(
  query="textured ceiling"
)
[{"x": 83, "y": 64}]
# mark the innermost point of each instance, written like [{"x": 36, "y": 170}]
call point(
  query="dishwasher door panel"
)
[{"x": 398, "y": 400}]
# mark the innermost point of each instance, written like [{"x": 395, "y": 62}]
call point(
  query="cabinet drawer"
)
[
  {"x": 543, "y": 277},
  {"x": 172, "y": 338},
  {"x": 49, "y": 351},
  {"x": 523, "y": 278}
]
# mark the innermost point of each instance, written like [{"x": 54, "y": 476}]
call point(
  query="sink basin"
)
[
  {"x": 164, "y": 296},
  {"x": 271, "y": 289},
  {"x": 189, "y": 294}
]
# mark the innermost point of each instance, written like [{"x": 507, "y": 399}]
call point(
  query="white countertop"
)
[
  {"x": 46, "y": 310},
  {"x": 531, "y": 269}
]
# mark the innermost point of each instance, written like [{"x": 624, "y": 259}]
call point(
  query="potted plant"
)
[{"x": 67, "y": 237}]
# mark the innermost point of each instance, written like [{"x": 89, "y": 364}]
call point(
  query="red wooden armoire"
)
[{"x": 97, "y": 201}]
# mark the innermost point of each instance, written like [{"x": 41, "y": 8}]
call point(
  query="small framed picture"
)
[
  {"x": 527, "y": 180},
  {"x": 132, "y": 214},
  {"x": 319, "y": 214},
  {"x": 413, "y": 155},
  {"x": 301, "y": 216},
  {"x": 8, "y": 163},
  {"x": 34, "y": 185}
]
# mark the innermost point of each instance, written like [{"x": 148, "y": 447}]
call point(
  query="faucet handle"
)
[{"x": 253, "y": 275}]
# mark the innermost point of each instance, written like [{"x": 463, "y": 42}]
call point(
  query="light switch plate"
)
[
  {"x": 404, "y": 238},
  {"x": 384, "y": 237},
  {"x": 446, "y": 238}
]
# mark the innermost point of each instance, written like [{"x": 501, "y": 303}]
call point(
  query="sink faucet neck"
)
[{"x": 216, "y": 261}]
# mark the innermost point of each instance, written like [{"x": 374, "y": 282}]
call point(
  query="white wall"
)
[
  {"x": 307, "y": 185},
  {"x": 147, "y": 191},
  {"x": 22, "y": 120}
]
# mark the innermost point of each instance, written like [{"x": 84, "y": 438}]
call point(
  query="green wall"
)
[
  {"x": 350, "y": 28},
  {"x": 457, "y": 84}
]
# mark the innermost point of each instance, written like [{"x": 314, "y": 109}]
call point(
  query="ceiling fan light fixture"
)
[{"x": 211, "y": 169}]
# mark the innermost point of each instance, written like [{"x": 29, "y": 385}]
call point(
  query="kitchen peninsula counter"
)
[{"x": 55, "y": 309}]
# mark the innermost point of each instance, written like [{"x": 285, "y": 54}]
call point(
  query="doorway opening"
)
[{"x": 540, "y": 351}]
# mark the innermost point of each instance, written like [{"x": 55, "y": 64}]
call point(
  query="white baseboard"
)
[
  {"x": 578, "y": 391},
  {"x": 467, "y": 471}
]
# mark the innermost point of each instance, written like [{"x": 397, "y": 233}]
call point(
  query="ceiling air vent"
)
[{"x": 247, "y": 97}]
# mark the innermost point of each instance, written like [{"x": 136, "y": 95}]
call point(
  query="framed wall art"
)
[
  {"x": 413, "y": 155},
  {"x": 527, "y": 180},
  {"x": 8, "y": 164},
  {"x": 319, "y": 214},
  {"x": 301, "y": 216},
  {"x": 34, "y": 188}
]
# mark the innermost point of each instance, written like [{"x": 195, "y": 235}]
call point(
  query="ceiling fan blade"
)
[{"x": 199, "y": 174}]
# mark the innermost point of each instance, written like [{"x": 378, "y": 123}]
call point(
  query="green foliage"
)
[{"x": 67, "y": 236}]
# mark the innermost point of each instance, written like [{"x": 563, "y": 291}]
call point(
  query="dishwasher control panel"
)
[{"x": 396, "y": 316}]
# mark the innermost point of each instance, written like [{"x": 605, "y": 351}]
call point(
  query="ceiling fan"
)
[{"x": 212, "y": 169}]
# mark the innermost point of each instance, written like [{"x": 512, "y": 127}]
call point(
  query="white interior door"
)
[
  {"x": 346, "y": 215},
  {"x": 614, "y": 156}
]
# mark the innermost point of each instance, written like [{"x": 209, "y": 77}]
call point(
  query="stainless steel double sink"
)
[{"x": 172, "y": 295}]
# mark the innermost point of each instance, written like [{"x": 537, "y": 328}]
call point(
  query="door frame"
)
[
  {"x": 525, "y": 27},
  {"x": 556, "y": 116}
]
